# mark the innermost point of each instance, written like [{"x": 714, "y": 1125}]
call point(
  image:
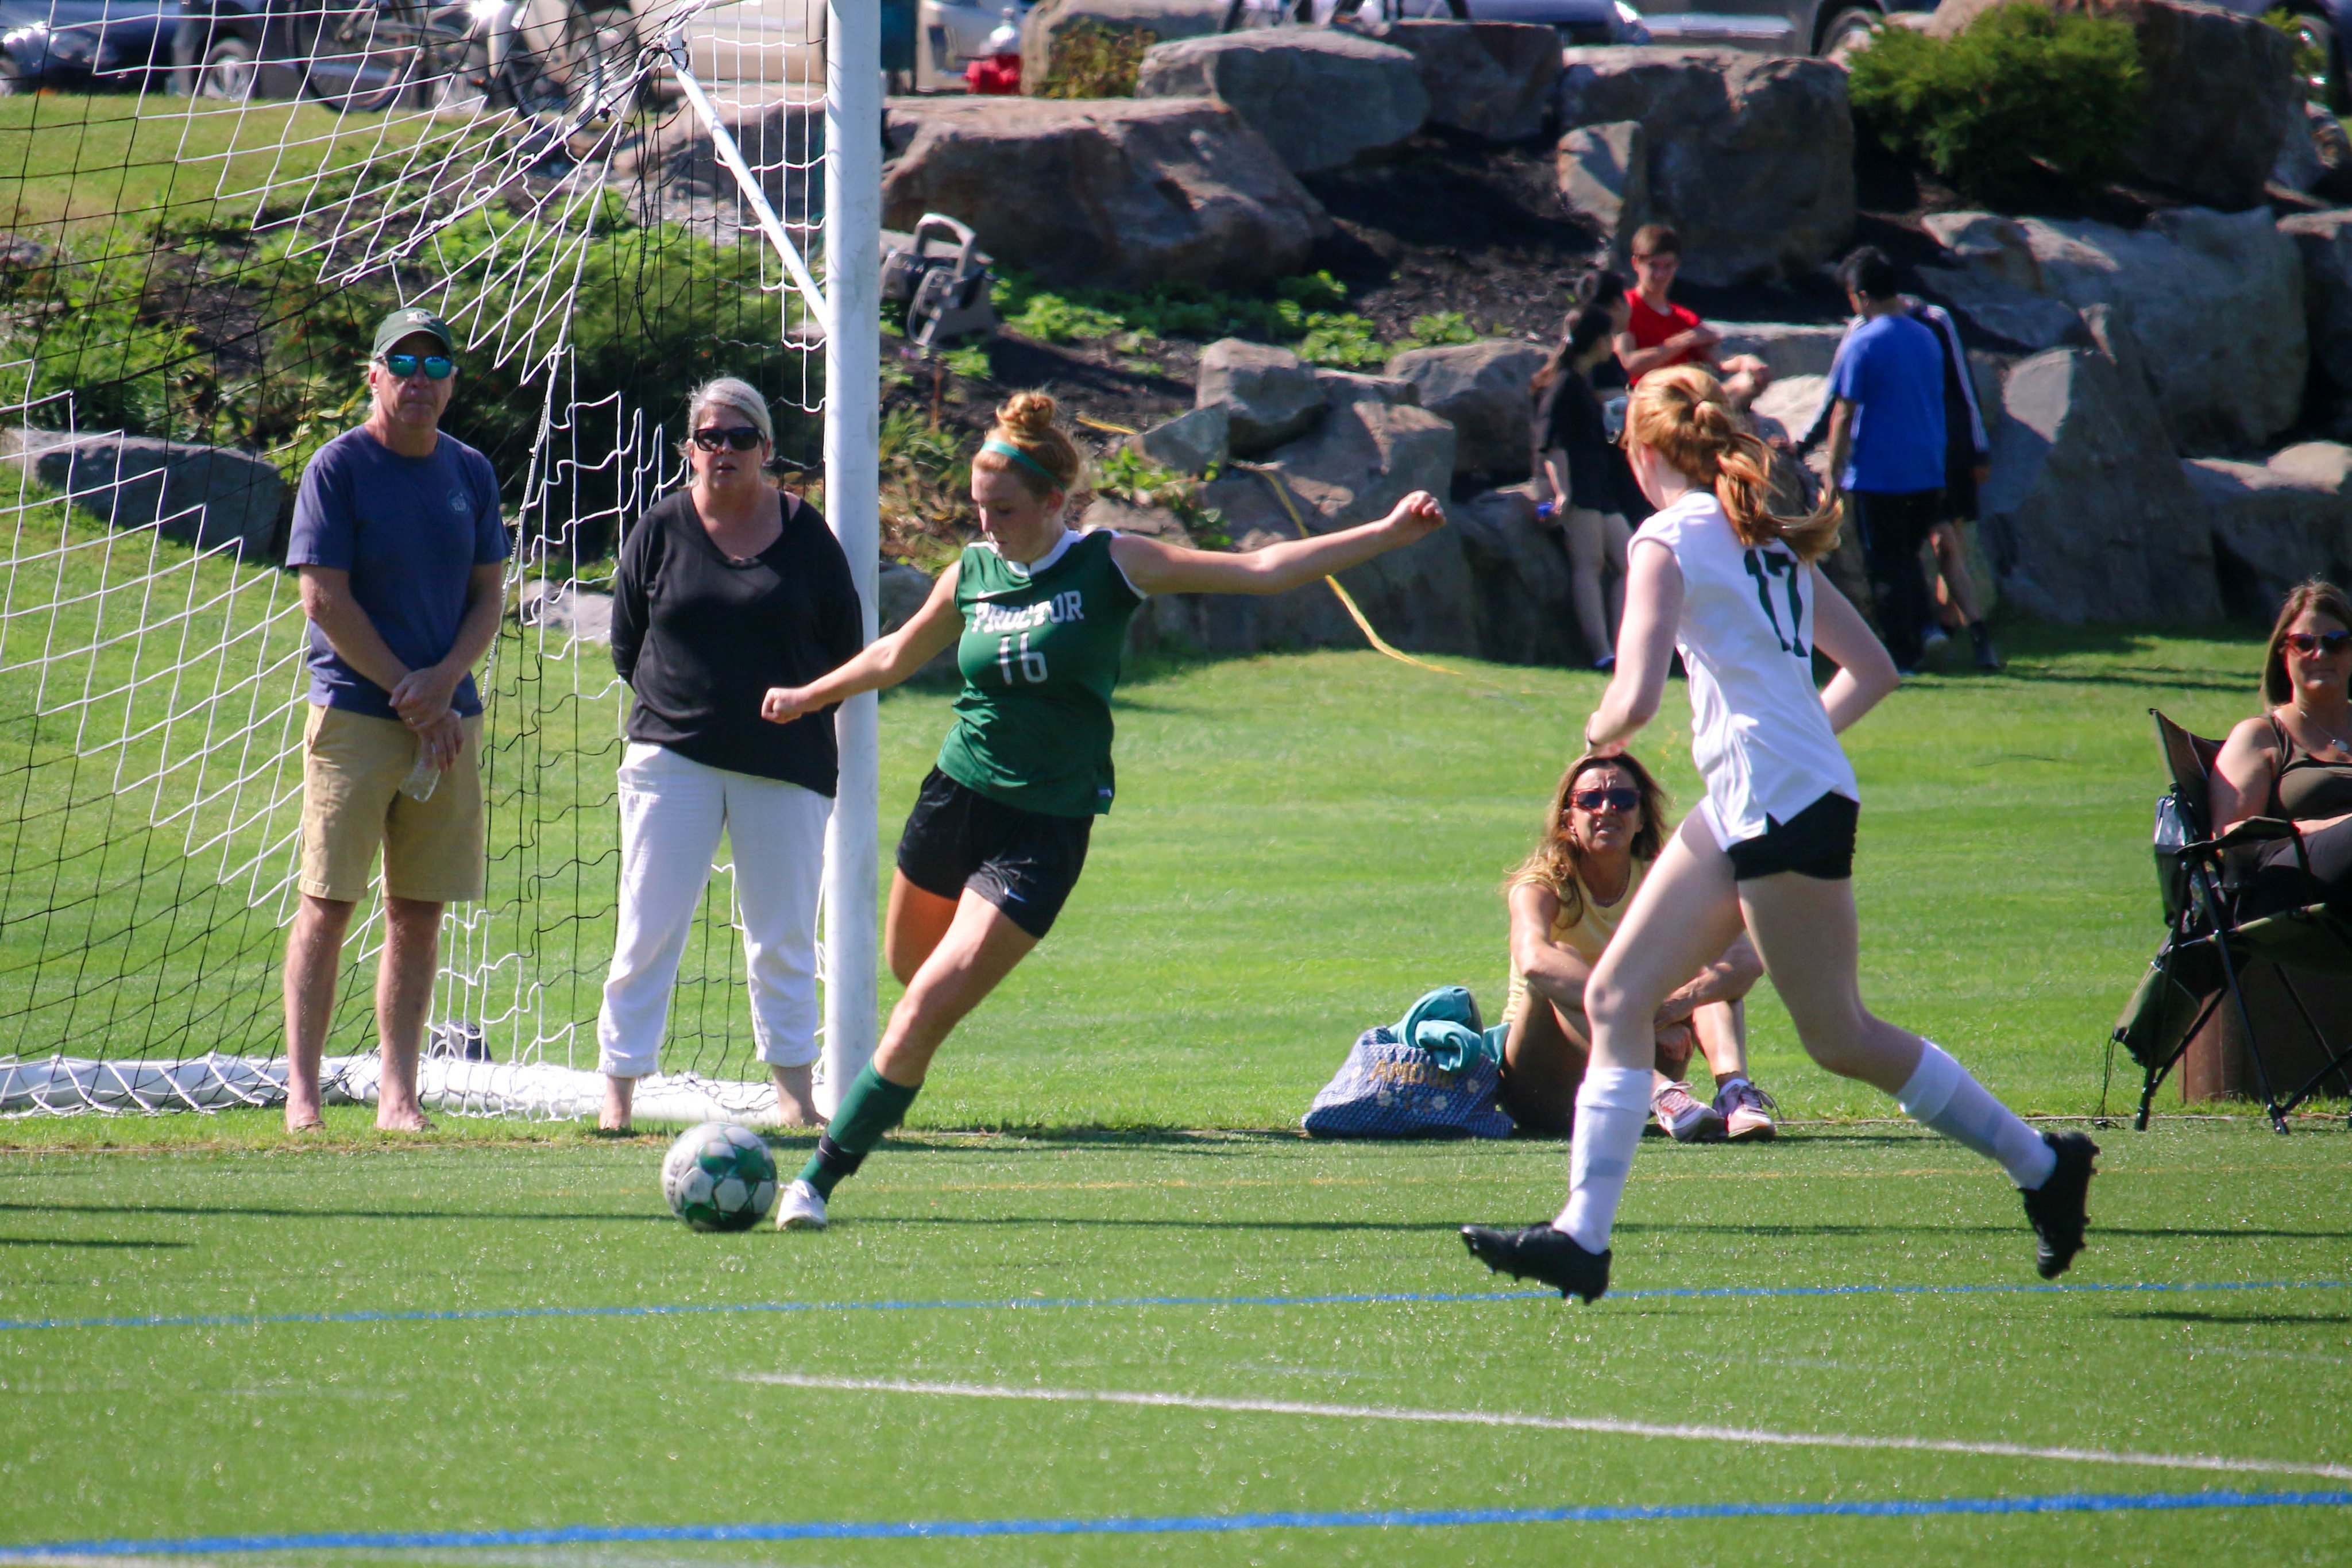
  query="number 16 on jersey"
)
[{"x": 1032, "y": 664}]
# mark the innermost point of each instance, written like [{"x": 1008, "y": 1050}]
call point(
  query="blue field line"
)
[
  {"x": 1168, "y": 1524},
  {"x": 1071, "y": 1303}
]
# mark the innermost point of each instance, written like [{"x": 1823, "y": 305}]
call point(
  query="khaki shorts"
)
[{"x": 351, "y": 767}]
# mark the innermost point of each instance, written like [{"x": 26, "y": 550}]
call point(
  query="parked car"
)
[{"x": 76, "y": 43}]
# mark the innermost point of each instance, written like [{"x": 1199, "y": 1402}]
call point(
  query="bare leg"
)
[
  {"x": 795, "y": 1095},
  {"x": 1722, "y": 1030},
  {"x": 1586, "y": 548},
  {"x": 314, "y": 952},
  {"x": 915, "y": 925},
  {"x": 1805, "y": 930},
  {"x": 1543, "y": 1061},
  {"x": 404, "y": 995},
  {"x": 980, "y": 949},
  {"x": 1616, "y": 538},
  {"x": 1952, "y": 562},
  {"x": 619, "y": 1092},
  {"x": 1686, "y": 913}
]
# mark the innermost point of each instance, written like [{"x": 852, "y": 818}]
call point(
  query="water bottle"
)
[
  {"x": 419, "y": 784},
  {"x": 1544, "y": 509}
]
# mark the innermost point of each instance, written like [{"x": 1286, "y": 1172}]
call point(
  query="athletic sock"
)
[
  {"x": 1941, "y": 1095},
  {"x": 1611, "y": 1108},
  {"x": 873, "y": 1106}
]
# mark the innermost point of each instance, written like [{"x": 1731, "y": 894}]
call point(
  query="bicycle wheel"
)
[
  {"x": 565, "y": 61},
  {"x": 363, "y": 59}
]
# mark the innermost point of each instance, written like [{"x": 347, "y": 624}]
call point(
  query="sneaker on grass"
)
[
  {"x": 1543, "y": 1254},
  {"x": 799, "y": 1208},
  {"x": 1689, "y": 1120},
  {"x": 2059, "y": 1208},
  {"x": 1747, "y": 1112}
]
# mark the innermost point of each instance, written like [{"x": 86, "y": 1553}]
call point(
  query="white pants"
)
[{"x": 672, "y": 810}]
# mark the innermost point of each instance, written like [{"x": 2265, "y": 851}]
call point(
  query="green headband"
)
[{"x": 1026, "y": 460}]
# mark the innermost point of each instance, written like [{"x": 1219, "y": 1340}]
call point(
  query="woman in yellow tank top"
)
[{"x": 1605, "y": 827}]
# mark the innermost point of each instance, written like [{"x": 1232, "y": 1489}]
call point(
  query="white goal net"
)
[{"x": 198, "y": 233}]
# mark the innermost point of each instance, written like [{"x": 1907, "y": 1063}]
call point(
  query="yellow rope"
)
[
  {"x": 1106, "y": 425},
  {"x": 1347, "y": 601}
]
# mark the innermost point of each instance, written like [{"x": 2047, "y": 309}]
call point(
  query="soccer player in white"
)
[{"x": 1717, "y": 574}]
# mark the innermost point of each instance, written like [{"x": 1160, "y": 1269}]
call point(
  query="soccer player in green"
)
[{"x": 1038, "y": 614}]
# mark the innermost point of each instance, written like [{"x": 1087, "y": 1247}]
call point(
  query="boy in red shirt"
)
[{"x": 1660, "y": 331}]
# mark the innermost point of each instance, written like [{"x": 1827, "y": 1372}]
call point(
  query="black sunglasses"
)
[
  {"x": 740, "y": 437},
  {"x": 2328, "y": 642},
  {"x": 1611, "y": 799},
  {"x": 436, "y": 367}
]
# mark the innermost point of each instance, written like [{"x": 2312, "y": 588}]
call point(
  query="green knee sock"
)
[{"x": 873, "y": 1106}]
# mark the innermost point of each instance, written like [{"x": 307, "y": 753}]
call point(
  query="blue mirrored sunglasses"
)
[{"x": 436, "y": 367}]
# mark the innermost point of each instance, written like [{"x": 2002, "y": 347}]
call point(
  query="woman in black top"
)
[
  {"x": 2295, "y": 762},
  {"x": 725, "y": 588},
  {"x": 1577, "y": 465}
]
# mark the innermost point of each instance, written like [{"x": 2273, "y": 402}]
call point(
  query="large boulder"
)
[
  {"x": 670, "y": 165},
  {"x": 2215, "y": 301},
  {"x": 2219, "y": 85},
  {"x": 2324, "y": 241},
  {"x": 1318, "y": 97},
  {"x": 1481, "y": 388},
  {"x": 1604, "y": 178},
  {"x": 1789, "y": 348},
  {"x": 1105, "y": 194},
  {"x": 2088, "y": 516},
  {"x": 1364, "y": 457},
  {"x": 1527, "y": 613},
  {"x": 2279, "y": 520},
  {"x": 899, "y": 590},
  {"x": 1047, "y": 28},
  {"x": 1192, "y": 443},
  {"x": 214, "y": 497},
  {"x": 1750, "y": 156},
  {"x": 1492, "y": 79},
  {"x": 1268, "y": 395}
]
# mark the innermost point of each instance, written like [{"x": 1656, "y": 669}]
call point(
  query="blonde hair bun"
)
[
  {"x": 1027, "y": 414},
  {"x": 1049, "y": 460}
]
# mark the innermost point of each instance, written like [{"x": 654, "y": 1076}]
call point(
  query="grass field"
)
[{"x": 482, "y": 1340}]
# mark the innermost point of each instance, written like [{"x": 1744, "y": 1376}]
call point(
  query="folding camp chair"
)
[{"x": 2207, "y": 946}]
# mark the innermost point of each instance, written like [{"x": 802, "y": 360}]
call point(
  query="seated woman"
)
[
  {"x": 2295, "y": 762},
  {"x": 1607, "y": 824}
]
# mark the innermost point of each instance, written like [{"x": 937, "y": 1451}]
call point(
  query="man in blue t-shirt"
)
[
  {"x": 1887, "y": 445},
  {"x": 399, "y": 541}
]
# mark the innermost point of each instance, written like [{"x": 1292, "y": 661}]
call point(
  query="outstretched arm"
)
[
  {"x": 884, "y": 661},
  {"x": 1157, "y": 568},
  {"x": 1865, "y": 672},
  {"x": 1645, "y": 648}
]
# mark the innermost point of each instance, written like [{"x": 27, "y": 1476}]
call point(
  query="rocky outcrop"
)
[
  {"x": 565, "y": 609},
  {"x": 1364, "y": 457},
  {"x": 1604, "y": 178},
  {"x": 1490, "y": 79},
  {"x": 210, "y": 497},
  {"x": 1789, "y": 348},
  {"x": 1482, "y": 389},
  {"x": 2324, "y": 241},
  {"x": 2214, "y": 301},
  {"x": 1354, "y": 386},
  {"x": 1191, "y": 443},
  {"x": 2277, "y": 522},
  {"x": 2219, "y": 84},
  {"x": 1268, "y": 395},
  {"x": 1046, "y": 26},
  {"x": 1526, "y": 613},
  {"x": 2088, "y": 516},
  {"x": 1750, "y": 156},
  {"x": 672, "y": 170},
  {"x": 1318, "y": 97},
  {"x": 1106, "y": 193},
  {"x": 899, "y": 590}
]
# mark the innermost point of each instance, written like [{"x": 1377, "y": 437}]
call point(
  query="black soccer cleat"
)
[
  {"x": 2059, "y": 1208},
  {"x": 1541, "y": 1253}
]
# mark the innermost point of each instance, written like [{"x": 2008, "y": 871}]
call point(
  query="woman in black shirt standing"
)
[
  {"x": 725, "y": 588},
  {"x": 1577, "y": 465}
]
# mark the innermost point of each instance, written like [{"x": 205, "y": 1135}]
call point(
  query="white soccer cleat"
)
[{"x": 800, "y": 1209}]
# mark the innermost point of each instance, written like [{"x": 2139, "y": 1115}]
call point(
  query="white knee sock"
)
[
  {"x": 1611, "y": 1108},
  {"x": 1941, "y": 1095}
]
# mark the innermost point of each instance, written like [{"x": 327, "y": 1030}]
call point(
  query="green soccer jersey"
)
[{"x": 1039, "y": 654}]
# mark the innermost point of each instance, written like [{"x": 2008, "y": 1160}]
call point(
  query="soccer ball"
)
[{"x": 718, "y": 1176}]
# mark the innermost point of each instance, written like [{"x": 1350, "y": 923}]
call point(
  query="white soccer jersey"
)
[{"x": 1758, "y": 732}]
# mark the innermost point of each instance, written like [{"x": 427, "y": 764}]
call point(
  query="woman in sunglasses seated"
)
[
  {"x": 724, "y": 589},
  {"x": 1607, "y": 824},
  {"x": 2295, "y": 762}
]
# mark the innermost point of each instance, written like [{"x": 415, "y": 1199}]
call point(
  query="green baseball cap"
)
[{"x": 407, "y": 321}]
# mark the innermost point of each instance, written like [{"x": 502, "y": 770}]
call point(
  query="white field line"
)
[{"x": 1601, "y": 1423}]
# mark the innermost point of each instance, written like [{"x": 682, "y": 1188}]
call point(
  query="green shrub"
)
[
  {"x": 1129, "y": 476},
  {"x": 1091, "y": 60},
  {"x": 2022, "y": 100}
]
